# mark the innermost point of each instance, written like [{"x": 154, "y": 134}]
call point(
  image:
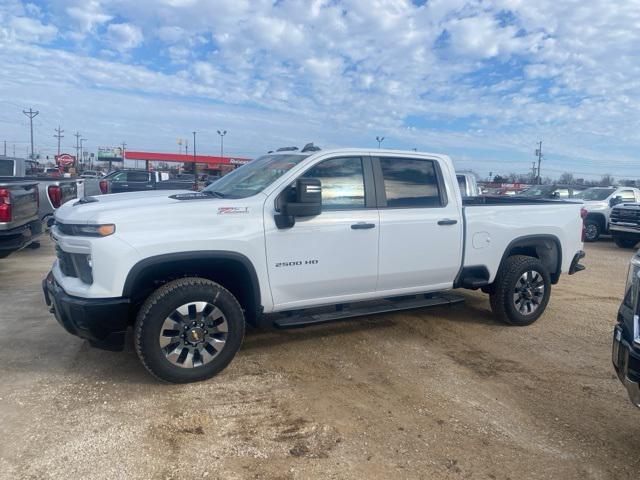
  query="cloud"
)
[
  {"x": 124, "y": 36},
  {"x": 88, "y": 15},
  {"x": 31, "y": 30}
]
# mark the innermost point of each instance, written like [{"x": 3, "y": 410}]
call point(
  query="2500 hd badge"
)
[{"x": 297, "y": 263}]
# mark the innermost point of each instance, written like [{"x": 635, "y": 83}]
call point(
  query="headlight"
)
[
  {"x": 82, "y": 230},
  {"x": 633, "y": 283}
]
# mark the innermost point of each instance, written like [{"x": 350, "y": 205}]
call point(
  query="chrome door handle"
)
[
  {"x": 447, "y": 221},
  {"x": 362, "y": 226}
]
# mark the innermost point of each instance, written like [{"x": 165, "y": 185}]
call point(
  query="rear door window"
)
[
  {"x": 137, "y": 177},
  {"x": 628, "y": 196},
  {"x": 6, "y": 168},
  {"x": 411, "y": 183}
]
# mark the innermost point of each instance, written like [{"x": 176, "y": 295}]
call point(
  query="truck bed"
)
[{"x": 492, "y": 224}]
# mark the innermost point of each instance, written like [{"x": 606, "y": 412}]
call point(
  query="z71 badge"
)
[{"x": 232, "y": 210}]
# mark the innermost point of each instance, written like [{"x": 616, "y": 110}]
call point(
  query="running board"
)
[{"x": 344, "y": 311}]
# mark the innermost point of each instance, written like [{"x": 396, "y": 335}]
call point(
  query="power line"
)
[
  {"x": 58, "y": 135},
  {"x": 31, "y": 114}
]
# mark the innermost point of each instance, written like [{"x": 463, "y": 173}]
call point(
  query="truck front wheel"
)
[
  {"x": 188, "y": 330},
  {"x": 592, "y": 230},
  {"x": 521, "y": 290},
  {"x": 624, "y": 241}
]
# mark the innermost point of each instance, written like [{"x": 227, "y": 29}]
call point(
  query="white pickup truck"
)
[{"x": 297, "y": 238}]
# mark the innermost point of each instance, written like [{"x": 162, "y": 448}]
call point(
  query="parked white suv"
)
[
  {"x": 296, "y": 238},
  {"x": 598, "y": 202}
]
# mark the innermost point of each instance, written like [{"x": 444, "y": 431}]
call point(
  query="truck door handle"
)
[
  {"x": 447, "y": 221},
  {"x": 362, "y": 226}
]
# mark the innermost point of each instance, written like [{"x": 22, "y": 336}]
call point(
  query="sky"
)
[{"x": 482, "y": 81}]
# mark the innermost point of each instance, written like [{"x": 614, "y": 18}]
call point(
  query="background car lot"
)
[{"x": 442, "y": 392}]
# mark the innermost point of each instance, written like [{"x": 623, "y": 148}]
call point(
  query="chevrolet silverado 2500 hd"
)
[
  {"x": 598, "y": 202},
  {"x": 626, "y": 335},
  {"x": 19, "y": 223},
  {"x": 292, "y": 239}
]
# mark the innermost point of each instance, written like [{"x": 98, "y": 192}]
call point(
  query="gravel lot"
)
[{"x": 435, "y": 393}]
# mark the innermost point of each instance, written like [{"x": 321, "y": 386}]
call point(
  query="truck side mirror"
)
[
  {"x": 308, "y": 203},
  {"x": 615, "y": 201}
]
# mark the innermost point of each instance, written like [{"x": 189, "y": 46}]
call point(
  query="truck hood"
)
[
  {"x": 627, "y": 206},
  {"x": 111, "y": 207}
]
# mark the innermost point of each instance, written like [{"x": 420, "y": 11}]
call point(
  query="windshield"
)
[
  {"x": 541, "y": 191},
  {"x": 255, "y": 176},
  {"x": 595, "y": 193}
]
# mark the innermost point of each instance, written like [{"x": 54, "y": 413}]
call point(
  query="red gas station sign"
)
[{"x": 65, "y": 160}]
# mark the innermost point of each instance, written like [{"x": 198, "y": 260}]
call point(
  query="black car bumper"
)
[
  {"x": 18, "y": 238},
  {"x": 626, "y": 361},
  {"x": 102, "y": 321}
]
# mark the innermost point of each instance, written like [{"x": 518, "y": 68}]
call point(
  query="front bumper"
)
[
  {"x": 103, "y": 322},
  {"x": 18, "y": 238},
  {"x": 626, "y": 361}
]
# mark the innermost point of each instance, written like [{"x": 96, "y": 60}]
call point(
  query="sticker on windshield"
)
[{"x": 231, "y": 210}]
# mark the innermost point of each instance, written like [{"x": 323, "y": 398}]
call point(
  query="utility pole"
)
[
  {"x": 58, "y": 135},
  {"x": 77, "y": 135},
  {"x": 81, "y": 159},
  {"x": 31, "y": 114},
  {"x": 222, "y": 134},
  {"x": 539, "y": 155},
  {"x": 195, "y": 164},
  {"x": 379, "y": 140},
  {"x": 5, "y": 148}
]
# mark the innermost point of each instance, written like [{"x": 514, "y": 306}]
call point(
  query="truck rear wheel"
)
[
  {"x": 189, "y": 330},
  {"x": 521, "y": 290}
]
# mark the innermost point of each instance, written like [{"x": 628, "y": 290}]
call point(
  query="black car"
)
[
  {"x": 131, "y": 180},
  {"x": 626, "y": 335},
  {"x": 551, "y": 191}
]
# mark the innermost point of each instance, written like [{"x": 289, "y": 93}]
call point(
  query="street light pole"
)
[
  {"x": 222, "y": 134},
  {"x": 379, "y": 140}
]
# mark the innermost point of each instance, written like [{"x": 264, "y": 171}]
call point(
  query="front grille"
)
[
  {"x": 75, "y": 265},
  {"x": 626, "y": 215}
]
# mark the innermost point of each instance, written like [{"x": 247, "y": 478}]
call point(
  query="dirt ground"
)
[{"x": 434, "y": 393}]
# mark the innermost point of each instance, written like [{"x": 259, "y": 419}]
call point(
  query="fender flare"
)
[
  {"x": 137, "y": 270},
  {"x": 534, "y": 241}
]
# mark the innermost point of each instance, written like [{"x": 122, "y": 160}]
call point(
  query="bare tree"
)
[
  {"x": 607, "y": 180},
  {"x": 566, "y": 178}
]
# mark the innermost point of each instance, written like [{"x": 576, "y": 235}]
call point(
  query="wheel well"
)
[
  {"x": 235, "y": 273},
  {"x": 546, "y": 248},
  {"x": 599, "y": 219}
]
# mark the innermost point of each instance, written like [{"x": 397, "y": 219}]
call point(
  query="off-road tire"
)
[
  {"x": 625, "y": 242},
  {"x": 592, "y": 226},
  {"x": 165, "y": 300},
  {"x": 502, "y": 297}
]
